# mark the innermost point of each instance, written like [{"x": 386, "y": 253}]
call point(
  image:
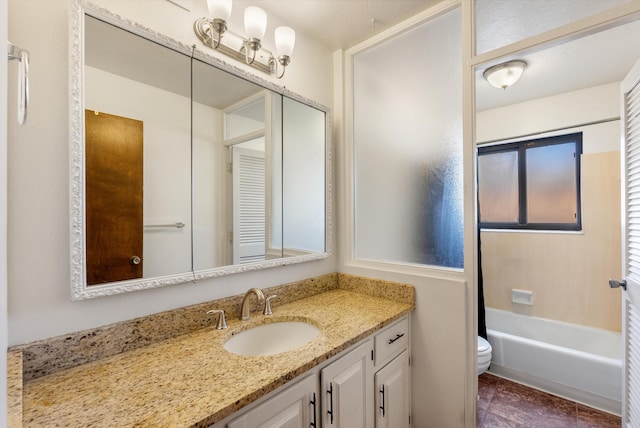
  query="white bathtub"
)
[{"x": 573, "y": 361}]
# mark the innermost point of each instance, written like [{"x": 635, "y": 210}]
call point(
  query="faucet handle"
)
[
  {"x": 267, "y": 305},
  {"x": 222, "y": 320}
]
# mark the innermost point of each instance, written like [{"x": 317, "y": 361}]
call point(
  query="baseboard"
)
[{"x": 596, "y": 401}]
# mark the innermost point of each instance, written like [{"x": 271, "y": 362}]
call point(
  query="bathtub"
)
[{"x": 580, "y": 363}]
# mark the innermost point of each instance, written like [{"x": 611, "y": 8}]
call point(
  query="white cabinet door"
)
[
  {"x": 346, "y": 387},
  {"x": 392, "y": 393},
  {"x": 295, "y": 407}
]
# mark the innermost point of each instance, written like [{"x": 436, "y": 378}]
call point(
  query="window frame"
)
[{"x": 521, "y": 148}]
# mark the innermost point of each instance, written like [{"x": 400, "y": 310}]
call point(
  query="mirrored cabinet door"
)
[
  {"x": 183, "y": 167},
  {"x": 137, "y": 156},
  {"x": 236, "y": 153},
  {"x": 303, "y": 184}
]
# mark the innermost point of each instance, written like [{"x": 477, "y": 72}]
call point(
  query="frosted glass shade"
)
[
  {"x": 285, "y": 40},
  {"x": 220, "y": 9},
  {"x": 504, "y": 75},
  {"x": 255, "y": 22}
]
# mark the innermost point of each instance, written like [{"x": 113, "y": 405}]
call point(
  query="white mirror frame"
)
[{"x": 77, "y": 226}]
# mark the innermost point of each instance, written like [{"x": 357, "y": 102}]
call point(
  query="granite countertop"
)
[{"x": 190, "y": 380}]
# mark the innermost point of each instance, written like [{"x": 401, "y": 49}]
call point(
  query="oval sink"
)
[{"x": 274, "y": 338}]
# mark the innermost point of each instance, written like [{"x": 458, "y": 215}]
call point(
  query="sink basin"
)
[{"x": 274, "y": 338}]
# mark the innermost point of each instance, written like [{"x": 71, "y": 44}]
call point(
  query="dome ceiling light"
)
[{"x": 503, "y": 75}]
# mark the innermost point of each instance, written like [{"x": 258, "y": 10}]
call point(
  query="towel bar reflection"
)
[
  {"x": 22, "y": 56},
  {"x": 177, "y": 225}
]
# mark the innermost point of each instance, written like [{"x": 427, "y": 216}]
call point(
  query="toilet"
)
[{"x": 484, "y": 355}]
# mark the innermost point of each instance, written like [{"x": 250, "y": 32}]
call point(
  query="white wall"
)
[
  {"x": 303, "y": 171},
  {"x": 4, "y": 330},
  {"x": 38, "y": 199},
  {"x": 544, "y": 114},
  {"x": 209, "y": 238},
  {"x": 440, "y": 386}
]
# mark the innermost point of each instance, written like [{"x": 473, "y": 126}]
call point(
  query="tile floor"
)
[{"x": 505, "y": 404}]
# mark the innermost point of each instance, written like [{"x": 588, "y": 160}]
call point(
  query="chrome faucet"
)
[{"x": 245, "y": 302}]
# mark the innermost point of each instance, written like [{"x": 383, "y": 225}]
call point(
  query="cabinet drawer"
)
[{"x": 391, "y": 341}]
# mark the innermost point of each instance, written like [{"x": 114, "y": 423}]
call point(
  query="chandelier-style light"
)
[{"x": 211, "y": 32}]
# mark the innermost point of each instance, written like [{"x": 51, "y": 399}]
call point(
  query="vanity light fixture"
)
[
  {"x": 248, "y": 49},
  {"x": 503, "y": 75},
  {"x": 255, "y": 25},
  {"x": 220, "y": 10}
]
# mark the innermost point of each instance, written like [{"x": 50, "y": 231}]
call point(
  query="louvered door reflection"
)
[
  {"x": 248, "y": 205},
  {"x": 631, "y": 247}
]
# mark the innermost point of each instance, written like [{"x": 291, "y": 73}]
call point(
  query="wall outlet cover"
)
[{"x": 521, "y": 297}]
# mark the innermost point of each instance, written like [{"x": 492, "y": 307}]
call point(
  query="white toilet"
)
[{"x": 484, "y": 355}]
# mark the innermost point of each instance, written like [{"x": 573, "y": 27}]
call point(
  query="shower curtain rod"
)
[{"x": 518, "y": 137}]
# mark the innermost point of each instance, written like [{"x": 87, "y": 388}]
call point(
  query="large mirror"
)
[{"x": 182, "y": 167}]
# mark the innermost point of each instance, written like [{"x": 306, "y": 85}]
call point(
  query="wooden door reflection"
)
[{"x": 114, "y": 197}]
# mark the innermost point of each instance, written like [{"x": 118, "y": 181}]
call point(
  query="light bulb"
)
[
  {"x": 220, "y": 9},
  {"x": 255, "y": 22}
]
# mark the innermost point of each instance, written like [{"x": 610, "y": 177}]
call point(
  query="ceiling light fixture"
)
[
  {"x": 211, "y": 31},
  {"x": 506, "y": 74}
]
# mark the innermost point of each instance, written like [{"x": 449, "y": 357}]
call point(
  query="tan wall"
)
[{"x": 567, "y": 272}]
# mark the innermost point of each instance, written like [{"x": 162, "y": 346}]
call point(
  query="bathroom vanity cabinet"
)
[
  {"x": 392, "y": 393},
  {"x": 362, "y": 349},
  {"x": 295, "y": 407},
  {"x": 347, "y": 387},
  {"x": 366, "y": 383},
  {"x": 392, "y": 381}
]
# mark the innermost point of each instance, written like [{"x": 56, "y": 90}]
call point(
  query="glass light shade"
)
[
  {"x": 504, "y": 75},
  {"x": 255, "y": 22},
  {"x": 220, "y": 9},
  {"x": 285, "y": 40}
]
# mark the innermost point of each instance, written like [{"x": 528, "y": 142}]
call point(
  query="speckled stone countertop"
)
[{"x": 190, "y": 380}]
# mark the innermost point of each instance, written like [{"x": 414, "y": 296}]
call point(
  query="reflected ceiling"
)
[{"x": 119, "y": 52}]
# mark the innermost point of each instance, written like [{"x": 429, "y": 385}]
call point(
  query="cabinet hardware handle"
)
[
  {"x": 330, "y": 411},
  {"x": 313, "y": 403},
  {"x": 398, "y": 336},
  {"x": 382, "y": 394}
]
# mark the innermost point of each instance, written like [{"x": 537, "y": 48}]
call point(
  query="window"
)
[{"x": 533, "y": 184}]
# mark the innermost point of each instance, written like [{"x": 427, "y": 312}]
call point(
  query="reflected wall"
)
[
  {"x": 167, "y": 161},
  {"x": 303, "y": 169}
]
